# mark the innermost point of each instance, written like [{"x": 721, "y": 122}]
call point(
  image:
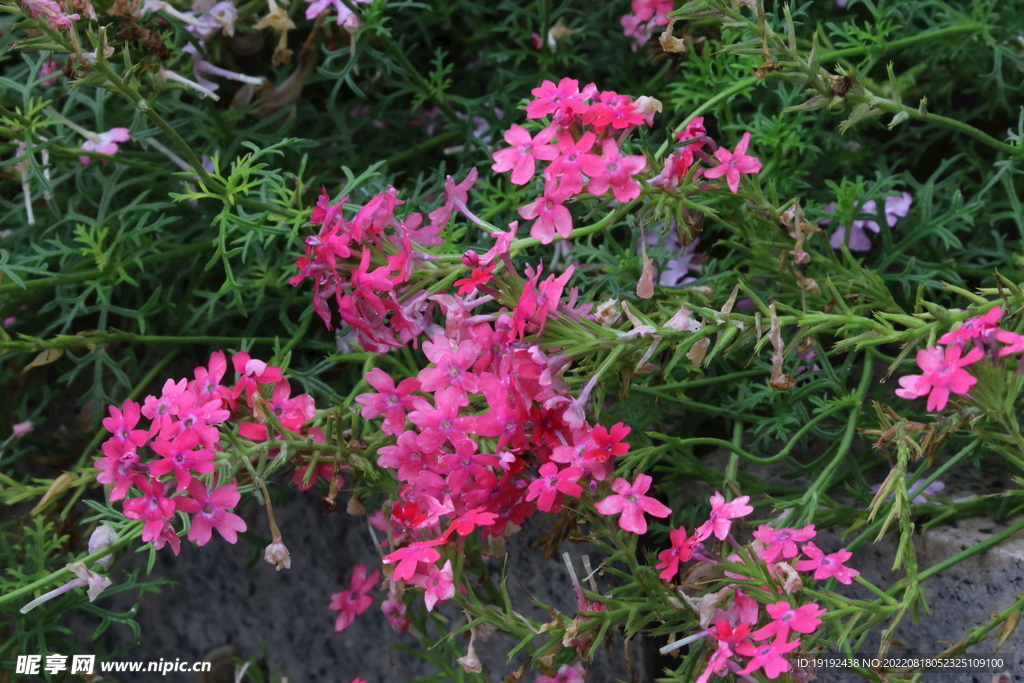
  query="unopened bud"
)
[
  {"x": 277, "y": 554},
  {"x": 103, "y": 537}
]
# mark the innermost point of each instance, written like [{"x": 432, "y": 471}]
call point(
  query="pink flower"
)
[
  {"x": 179, "y": 455},
  {"x": 826, "y": 566},
  {"x": 551, "y": 484},
  {"x": 722, "y": 514},
  {"x": 392, "y": 401},
  {"x": 734, "y": 163},
  {"x": 521, "y": 158},
  {"x": 1015, "y": 341},
  {"x": 437, "y": 584},
  {"x": 768, "y": 656},
  {"x": 681, "y": 551},
  {"x": 551, "y": 217},
  {"x": 802, "y": 619},
  {"x": 354, "y": 601},
  {"x": 618, "y": 173},
  {"x": 152, "y": 507},
  {"x": 782, "y": 541},
  {"x": 211, "y": 512},
  {"x": 106, "y": 145},
  {"x": 982, "y": 328},
  {"x": 345, "y": 16},
  {"x": 503, "y": 240},
  {"x": 565, "y": 174},
  {"x": 563, "y": 98},
  {"x": 943, "y": 373},
  {"x": 122, "y": 425},
  {"x": 629, "y": 499},
  {"x": 567, "y": 673},
  {"x": 410, "y": 555},
  {"x": 119, "y": 471}
]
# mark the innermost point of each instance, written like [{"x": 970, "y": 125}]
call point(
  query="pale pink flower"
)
[
  {"x": 107, "y": 144},
  {"x": 629, "y": 499},
  {"x": 722, "y": 514}
]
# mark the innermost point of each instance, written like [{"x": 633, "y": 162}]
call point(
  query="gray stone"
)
[{"x": 222, "y": 602}]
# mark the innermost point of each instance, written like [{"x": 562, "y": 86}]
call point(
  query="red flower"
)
[
  {"x": 479, "y": 276},
  {"x": 681, "y": 551}
]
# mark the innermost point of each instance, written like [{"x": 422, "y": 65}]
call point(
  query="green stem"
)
[
  {"x": 66, "y": 573},
  {"x": 87, "y": 338},
  {"x": 824, "y": 480},
  {"x": 967, "y": 129},
  {"x": 878, "y": 50},
  {"x": 96, "y": 273},
  {"x": 133, "y": 96}
]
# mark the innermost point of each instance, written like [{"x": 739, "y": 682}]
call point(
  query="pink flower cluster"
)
[
  {"x": 695, "y": 136},
  {"x": 943, "y": 365},
  {"x": 581, "y": 123},
  {"x": 464, "y": 425},
  {"x": 735, "y": 630},
  {"x": 363, "y": 262},
  {"x": 646, "y": 16},
  {"x": 183, "y": 432}
]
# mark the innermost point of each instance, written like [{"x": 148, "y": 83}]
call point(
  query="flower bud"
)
[
  {"x": 277, "y": 553},
  {"x": 103, "y": 537}
]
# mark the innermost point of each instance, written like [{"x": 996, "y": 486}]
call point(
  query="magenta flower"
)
[
  {"x": 681, "y": 551},
  {"x": 564, "y": 98},
  {"x": 629, "y": 499},
  {"x": 547, "y": 489},
  {"x": 107, "y": 143},
  {"x": 826, "y": 566},
  {"x": 782, "y": 541},
  {"x": 410, "y": 555},
  {"x": 767, "y": 656},
  {"x": 152, "y": 507},
  {"x": 354, "y": 601},
  {"x": 943, "y": 373},
  {"x": 392, "y": 401},
  {"x": 982, "y": 328},
  {"x": 722, "y": 514},
  {"x": 734, "y": 163},
  {"x": 179, "y": 455},
  {"x": 437, "y": 584},
  {"x": 522, "y": 157},
  {"x": 210, "y": 512},
  {"x": 122, "y": 426},
  {"x": 802, "y": 619},
  {"x": 119, "y": 471}
]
